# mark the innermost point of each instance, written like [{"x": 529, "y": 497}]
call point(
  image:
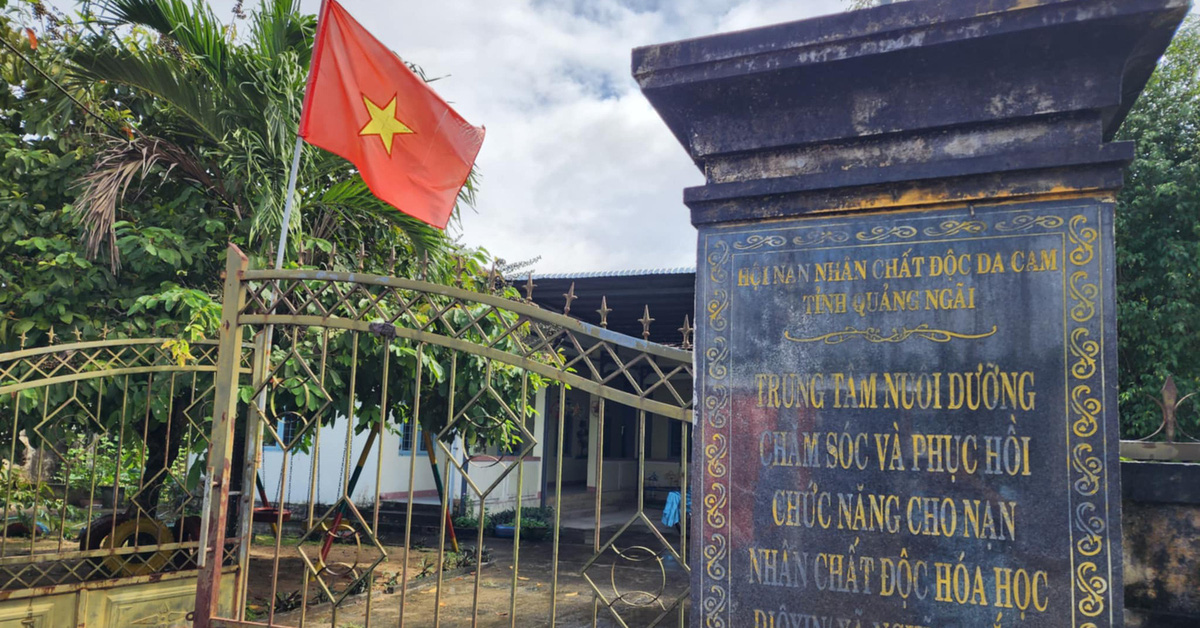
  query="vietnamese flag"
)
[{"x": 364, "y": 104}]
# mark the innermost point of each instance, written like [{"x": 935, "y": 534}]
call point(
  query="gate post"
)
[
  {"x": 216, "y": 500},
  {"x": 906, "y": 359}
]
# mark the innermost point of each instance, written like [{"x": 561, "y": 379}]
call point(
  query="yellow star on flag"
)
[{"x": 384, "y": 123}]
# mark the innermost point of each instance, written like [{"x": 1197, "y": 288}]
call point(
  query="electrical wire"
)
[{"x": 116, "y": 130}]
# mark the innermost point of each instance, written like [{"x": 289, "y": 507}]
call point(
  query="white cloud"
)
[{"x": 577, "y": 167}]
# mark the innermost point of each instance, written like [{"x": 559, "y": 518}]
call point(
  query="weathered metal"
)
[
  {"x": 133, "y": 542},
  {"x": 220, "y": 455},
  {"x": 521, "y": 340},
  {"x": 1169, "y": 448}
]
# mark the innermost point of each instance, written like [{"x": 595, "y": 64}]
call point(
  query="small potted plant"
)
[
  {"x": 534, "y": 529},
  {"x": 535, "y": 523},
  {"x": 468, "y": 525}
]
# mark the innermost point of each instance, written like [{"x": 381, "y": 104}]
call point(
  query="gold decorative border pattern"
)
[
  {"x": 955, "y": 227},
  {"x": 873, "y": 335},
  {"x": 1090, "y": 534},
  {"x": 714, "y": 587},
  {"x": 1025, "y": 222},
  {"x": 1088, "y": 476}
]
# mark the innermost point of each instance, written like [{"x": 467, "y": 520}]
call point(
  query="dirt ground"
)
[{"x": 646, "y": 585}]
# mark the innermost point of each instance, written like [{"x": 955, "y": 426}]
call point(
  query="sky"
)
[{"x": 577, "y": 168}]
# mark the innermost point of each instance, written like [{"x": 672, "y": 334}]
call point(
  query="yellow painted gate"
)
[
  {"x": 355, "y": 450},
  {"x": 104, "y": 444}
]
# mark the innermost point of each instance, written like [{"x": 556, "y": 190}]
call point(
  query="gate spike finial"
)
[
  {"x": 24, "y": 337},
  {"x": 687, "y": 331},
  {"x": 645, "y": 320},
  {"x": 332, "y": 255},
  {"x": 392, "y": 261},
  {"x": 460, "y": 267},
  {"x": 1169, "y": 404},
  {"x": 78, "y": 335},
  {"x": 104, "y": 331},
  {"x": 529, "y": 286},
  {"x": 570, "y": 295},
  {"x": 50, "y": 334},
  {"x": 362, "y": 256},
  {"x": 604, "y": 310},
  {"x": 493, "y": 275}
]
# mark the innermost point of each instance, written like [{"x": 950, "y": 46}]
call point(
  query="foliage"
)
[
  {"x": 19, "y": 494},
  {"x": 94, "y": 462},
  {"x": 228, "y": 108},
  {"x": 529, "y": 523},
  {"x": 470, "y": 520},
  {"x": 452, "y": 560},
  {"x": 212, "y": 115},
  {"x": 544, "y": 514},
  {"x": 1158, "y": 240},
  {"x": 289, "y": 601},
  {"x": 189, "y": 149},
  {"x": 30, "y": 502}
]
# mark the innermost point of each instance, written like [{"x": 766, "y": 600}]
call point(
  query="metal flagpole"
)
[
  {"x": 284, "y": 227},
  {"x": 287, "y": 209},
  {"x": 268, "y": 337},
  {"x": 247, "y": 497}
]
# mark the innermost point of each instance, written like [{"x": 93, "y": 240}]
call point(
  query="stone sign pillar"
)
[{"x": 905, "y": 307}]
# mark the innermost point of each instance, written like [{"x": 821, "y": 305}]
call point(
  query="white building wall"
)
[
  {"x": 330, "y": 466},
  {"x": 393, "y": 477}
]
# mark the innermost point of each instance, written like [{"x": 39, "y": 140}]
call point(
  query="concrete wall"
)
[{"x": 1161, "y": 522}]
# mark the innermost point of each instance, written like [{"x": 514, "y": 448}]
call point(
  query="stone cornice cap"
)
[{"x": 908, "y": 92}]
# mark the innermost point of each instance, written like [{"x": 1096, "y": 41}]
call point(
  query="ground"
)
[{"x": 640, "y": 582}]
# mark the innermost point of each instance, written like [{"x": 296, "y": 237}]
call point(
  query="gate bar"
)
[{"x": 216, "y": 502}]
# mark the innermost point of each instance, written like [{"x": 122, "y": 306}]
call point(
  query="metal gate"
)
[
  {"x": 103, "y": 450},
  {"x": 334, "y": 518}
]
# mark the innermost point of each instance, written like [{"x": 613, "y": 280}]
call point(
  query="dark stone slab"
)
[
  {"x": 1161, "y": 482},
  {"x": 923, "y": 403},
  {"x": 1161, "y": 521},
  {"x": 919, "y": 101}
]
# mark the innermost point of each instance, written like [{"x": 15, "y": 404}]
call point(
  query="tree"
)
[
  {"x": 227, "y": 113},
  {"x": 204, "y": 124},
  {"x": 1158, "y": 240},
  {"x": 196, "y": 162}
]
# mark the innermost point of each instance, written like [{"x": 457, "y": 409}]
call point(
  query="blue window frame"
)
[
  {"x": 286, "y": 426},
  {"x": 409, "y": 431}
]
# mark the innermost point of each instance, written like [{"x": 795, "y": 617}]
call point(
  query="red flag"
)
[{"x": 364, "y": 104}]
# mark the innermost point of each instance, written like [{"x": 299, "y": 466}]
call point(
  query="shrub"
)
[{"x": 528, "y": 513}]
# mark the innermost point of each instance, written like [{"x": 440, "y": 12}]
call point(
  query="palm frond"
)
[
  {"x": 194, "y": 28},
  {"x": 117, "y": 166},
  {"x": 466, "y": 194},
  {"x": 191, "y": 93},
  {"x": 355, "y": 199},
  {"x": 280, "y": 28}
]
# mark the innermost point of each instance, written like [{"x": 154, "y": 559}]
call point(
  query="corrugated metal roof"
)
[{"x": 610, "y": 273}]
